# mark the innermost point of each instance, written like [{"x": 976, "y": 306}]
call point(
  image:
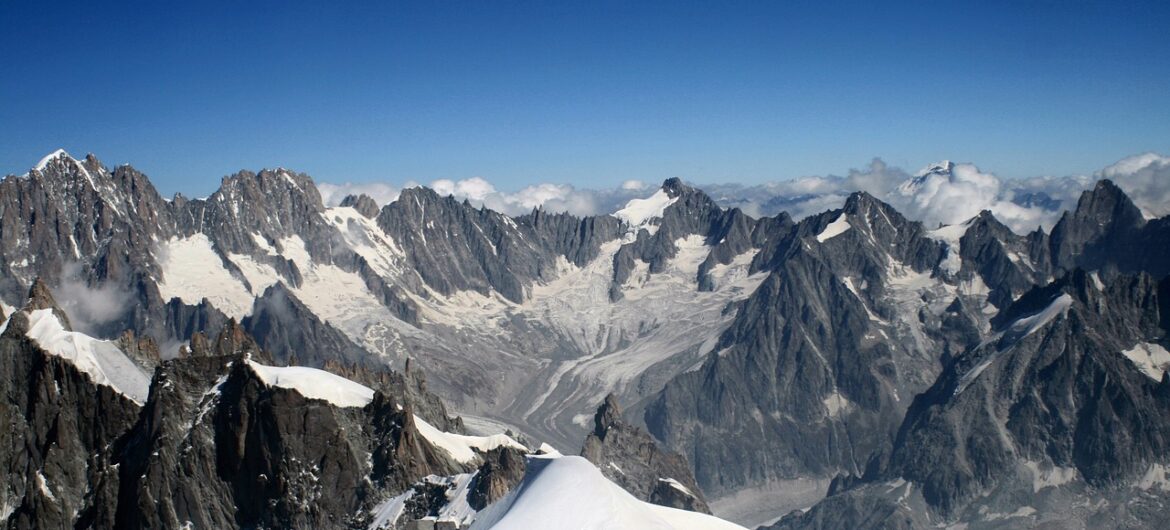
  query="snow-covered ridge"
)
[
  {"x": 319, "y": 384},
  {"x": 1029, "y": 324},
  {"x": 944, "y": 166},
  {"x": 50, "y": 157},
  {"x": 315, "y": 384},
  {"x": 101, "y": 360},
  {"x": 461, "y": 447},
  {"x": 572, "y": 492}
]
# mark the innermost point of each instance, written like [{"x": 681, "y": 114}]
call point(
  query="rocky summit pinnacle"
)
[
  {"x": 630, "y": 457},
  {"x": 363, "y": 204},
  {"x": 39, "y": 297}
]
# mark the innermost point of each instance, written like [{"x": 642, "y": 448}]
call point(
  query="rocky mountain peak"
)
[
  {"x": 363, "y": 203},
  {"x": 40, "y": 297},
  {"x": 92, "y": 163},
  {"x": 630, "y": 457},
  {"x": 674, "y": 187},
  {"x": 986, "y": 221},
  {"x": 417, "y": 195},
  {"x": 688, "y": 197},
  {"x": 943, "y": 167},
  {"x": 253, "y": 188},
  {"x": 861, "y": 203},
  {"x": 1102, "y": 228}
]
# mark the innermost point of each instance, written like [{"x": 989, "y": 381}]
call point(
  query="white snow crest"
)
[
  {"x": 102, "y": 360},
  {"x": 315, "y": 384},
  {"x": 49, "y": 158},
  {"x": 573, "y": 492},
  {"x": 461, "y": 447},
  {"x": 1017, "y": 330},
  {"x": 386, "y": 514},
  {"x": 1028, "y": 325}
]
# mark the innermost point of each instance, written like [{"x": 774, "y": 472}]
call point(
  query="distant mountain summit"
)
[{"x": 853, "y": 368}]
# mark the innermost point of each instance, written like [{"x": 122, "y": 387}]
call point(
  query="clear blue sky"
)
[{"x": 588, "y": 93}]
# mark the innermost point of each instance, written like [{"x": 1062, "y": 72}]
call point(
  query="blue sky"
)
[{"x": 584, "y": 93}]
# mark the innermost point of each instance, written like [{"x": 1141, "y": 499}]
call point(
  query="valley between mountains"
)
[{"x": 259, "y": 359}]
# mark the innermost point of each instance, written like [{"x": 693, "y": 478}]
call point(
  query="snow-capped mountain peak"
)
[{"x": 941, "y": 168}]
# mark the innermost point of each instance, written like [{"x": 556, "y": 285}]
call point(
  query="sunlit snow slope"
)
[{"x": 569, "y": 493}]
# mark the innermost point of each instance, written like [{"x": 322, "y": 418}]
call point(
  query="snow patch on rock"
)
[
  {"x": 639, "y": 213},
  {"x": 834, "y": 229},
  {"x": 1152, "y": 359}
]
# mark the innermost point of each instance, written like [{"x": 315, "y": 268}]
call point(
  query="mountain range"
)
[{"x": 257, "y": 358}]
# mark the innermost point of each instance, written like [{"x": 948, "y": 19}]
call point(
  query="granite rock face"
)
[
  {"x": 1057, "y": 417},
  {"x": 58, "y": 428},
  {"x": 219, "y": 448},
  {"x": 213, "y": 445},
  {"x": 804, "y": 377},
  {"x": 632, "y": 459}
]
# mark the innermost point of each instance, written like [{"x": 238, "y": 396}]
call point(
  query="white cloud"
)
[
  {"x": 481, "y": 192},
  {"x": 89, "y": 308},
  {"x": 474, "y": 188},
  {"x": 382, "y": 193},
  {"x": 944, "y": 196},
  {"x": 948, "y": 195}
]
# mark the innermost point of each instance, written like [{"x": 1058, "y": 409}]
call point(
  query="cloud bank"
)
[
  {"x": 942, "y": 193},
  {"x": 90, "y": 309}
]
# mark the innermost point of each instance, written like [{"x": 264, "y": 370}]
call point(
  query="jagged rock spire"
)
[
  {"x": 40, "y": 297},
  {"x": 608, "y": 414}
]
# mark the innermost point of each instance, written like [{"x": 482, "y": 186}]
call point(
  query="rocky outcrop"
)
[
  {"x": 362, "y": 203},
  {"x": 454, "y": 246},
  {"x": 1059, "y": 418},
  {"x": 1009, "y": 264},
  {"x": 59, "y": 427},
  {"x": 410, "y": 384},
  {"x": 804, "y": 377},
  {"x": 1051, "y": 391},
  {"x": 632, "y": 459},
  {"x": 502, "y": 470},
  {"x": 577, "y": 239},
  {"x": 294, "y": 335},
  {"x": 691, "y": 212}
]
